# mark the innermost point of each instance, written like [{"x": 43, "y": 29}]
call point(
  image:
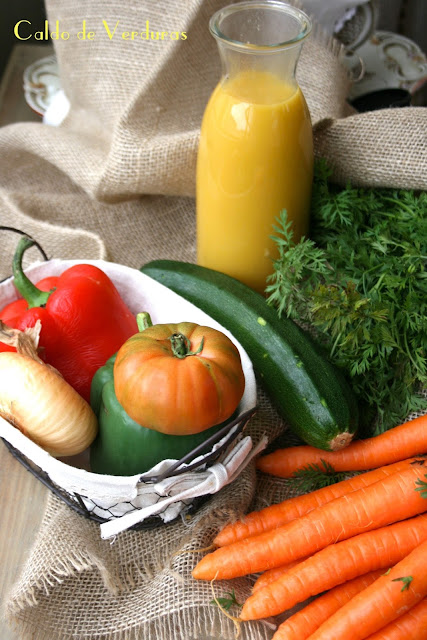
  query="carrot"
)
[
  {"x": 279, "y": 514},
  {"x": 406, "y": 440},
  {"x": 334, "y": 565},
  {"x": 409, "y": 626},
  {"x": 303, "y": 623},
  {"x": 386, "y": 599},
  {"x": 272, "y": 574},
  {"x": 389, "y": 500}
]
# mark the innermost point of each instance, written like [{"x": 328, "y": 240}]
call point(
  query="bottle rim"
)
[{"x": 294, "y": 12}]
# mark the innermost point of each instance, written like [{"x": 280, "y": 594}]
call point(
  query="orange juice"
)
[{"x": 255, "y": 159}]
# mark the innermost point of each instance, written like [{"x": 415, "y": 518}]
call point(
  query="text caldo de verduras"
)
[{"x": 23, "y": 31}]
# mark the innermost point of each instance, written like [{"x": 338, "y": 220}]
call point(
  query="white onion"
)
[{"x": 37, "y": 400}]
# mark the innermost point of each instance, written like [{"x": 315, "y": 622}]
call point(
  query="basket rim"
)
[{"x": 177, "y": 469}]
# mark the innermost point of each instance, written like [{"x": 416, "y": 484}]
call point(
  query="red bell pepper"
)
[{"x": 83, "y": 318}]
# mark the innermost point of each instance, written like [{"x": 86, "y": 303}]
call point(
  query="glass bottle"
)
[{"x": 255, "y": 154}]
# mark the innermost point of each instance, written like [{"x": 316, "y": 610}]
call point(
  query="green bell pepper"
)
[{"x": 124, "y": 448}]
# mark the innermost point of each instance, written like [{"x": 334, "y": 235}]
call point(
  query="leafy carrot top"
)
[
  {"x": 227, "y": 601},
  {"x": 422, "y": 487},
  {"x": 406, "y": 581},
  {"x": 315, "y": 476},
  {"x": 360, "y": 280}
]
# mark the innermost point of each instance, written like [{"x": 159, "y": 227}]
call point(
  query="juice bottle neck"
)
[{"x": 264, "y": 36}]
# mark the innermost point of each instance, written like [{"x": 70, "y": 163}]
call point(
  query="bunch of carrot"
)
[{"x": 362, "y": 541}]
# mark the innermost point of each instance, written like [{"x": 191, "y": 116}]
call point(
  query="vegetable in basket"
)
[
  {"x": 37, "y": 400},
  {"x": 84, "y": 319},
  {"x": 178, "y": 378},
  {"x": 123, "y": 446}
]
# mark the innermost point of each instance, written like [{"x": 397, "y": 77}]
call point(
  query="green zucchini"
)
[{"x": 309, "y": 393}]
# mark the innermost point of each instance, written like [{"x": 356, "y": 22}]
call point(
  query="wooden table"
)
[
  {"x": 22, "y": 497},
  {"x": 22, "y": 503}
]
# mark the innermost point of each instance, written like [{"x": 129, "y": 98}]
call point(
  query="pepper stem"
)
[
  {"x": 143, "y": 320},
  {"x": 34, "y": 296},
  {"x": 181, "y": 346}
]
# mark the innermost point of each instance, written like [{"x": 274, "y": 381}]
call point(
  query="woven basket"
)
[{"x": 172, "y": 488}]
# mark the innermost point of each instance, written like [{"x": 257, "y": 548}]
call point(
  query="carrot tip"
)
[{"x": 202, "y": 572}]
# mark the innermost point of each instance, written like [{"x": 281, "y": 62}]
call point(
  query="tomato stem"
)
[{"x": 181, "y": 346}]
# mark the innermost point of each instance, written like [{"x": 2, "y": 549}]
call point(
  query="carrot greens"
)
[
  {"x": 360, "y": 280},
  {"x": 315, "y": 476},
  {"x": 406, "y": 581},
  {"x": 227, "y": 601},
  {"x": 422, "y": 487}
]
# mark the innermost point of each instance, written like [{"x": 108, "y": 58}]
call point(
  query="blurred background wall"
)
[
  {"x": 408, "y": 17},
  {"x": 10, "y": 14}
]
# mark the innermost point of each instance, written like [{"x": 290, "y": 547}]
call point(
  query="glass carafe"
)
[{"x": 255, "y": 154}]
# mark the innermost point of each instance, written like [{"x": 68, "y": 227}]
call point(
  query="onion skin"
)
[{"x": 44, "y": 407}]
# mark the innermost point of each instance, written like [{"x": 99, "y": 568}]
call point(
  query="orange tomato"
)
[{"x": 179, "y": 378}]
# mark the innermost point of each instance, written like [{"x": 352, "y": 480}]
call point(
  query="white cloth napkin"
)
[{"x": 189, "y": 485}]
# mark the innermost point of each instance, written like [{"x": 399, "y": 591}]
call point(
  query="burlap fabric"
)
[{"x": 116, "y": 181}]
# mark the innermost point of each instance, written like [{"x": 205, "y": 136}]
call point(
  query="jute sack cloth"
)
[{"x": 116, "y": 181}]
